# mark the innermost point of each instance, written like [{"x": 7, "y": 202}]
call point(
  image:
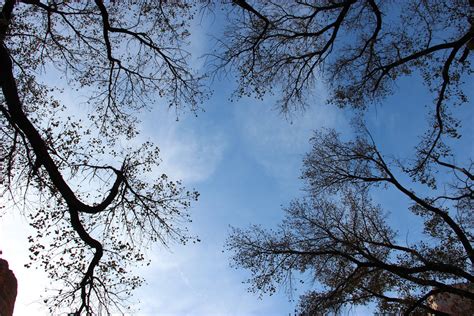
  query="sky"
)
[{"x": 245, "y": 160}]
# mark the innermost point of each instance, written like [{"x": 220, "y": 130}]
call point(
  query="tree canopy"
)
[
  {"x": 93, "y": 206},
  {"x": 343, "y": 238},
  {"x": 337, "y": 234},
  {"x": 96, "y": 205}
]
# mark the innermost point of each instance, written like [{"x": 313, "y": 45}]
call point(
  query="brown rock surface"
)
[
  {"x": 8, "y": 289},
  {"x": 453, "y": 304}
]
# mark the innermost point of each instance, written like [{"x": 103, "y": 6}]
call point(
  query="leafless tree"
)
[
  {"x": 93, "y": 207},
  {"x": 342, "y": 237},
  {"x": 359, "y": 49}
]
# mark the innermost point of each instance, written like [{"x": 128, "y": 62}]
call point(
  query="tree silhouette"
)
[
  {"x": 357, "y": 48},
  {"x": 341, "y": 236},
  {"x": 337, "y": 233},
  {"x": 93, "y": 206},
  {"x": 94, "y": 216}
]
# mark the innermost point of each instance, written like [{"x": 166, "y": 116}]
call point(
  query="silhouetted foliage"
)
[
  {"x": 342, "y": 237},
  {"x": 93, "y": 206},
  {"x": 358, "y": 48},
  {"x": 94, "y": 217},
  {"x": 337, "y": 233}
]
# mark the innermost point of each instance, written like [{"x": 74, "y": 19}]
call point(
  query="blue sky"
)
[{"x": 245, "y": 159}]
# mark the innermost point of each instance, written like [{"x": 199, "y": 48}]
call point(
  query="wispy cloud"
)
[
  {"x": 196, "y": 281},
  {"x": 190, "y": 151},
  {"x": 278, "y": 143}
]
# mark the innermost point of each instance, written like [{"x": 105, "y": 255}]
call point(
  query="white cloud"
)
[
  {"x": 190, "y": 149},
  {"x": 191, "y": 157}
]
